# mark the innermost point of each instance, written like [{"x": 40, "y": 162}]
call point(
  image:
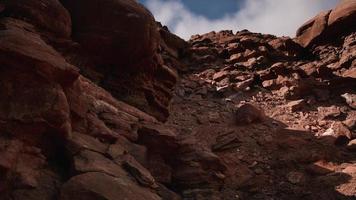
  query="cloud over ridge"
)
[{"x": 278, "y": 17}]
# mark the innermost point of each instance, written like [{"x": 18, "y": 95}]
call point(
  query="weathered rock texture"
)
[
  {"x": 329, "y": 25},
  {"x": 122, "y": 48},
  {"x": 86, "y": 110}
]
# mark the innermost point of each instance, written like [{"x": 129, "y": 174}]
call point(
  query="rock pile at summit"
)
[{"x": 100, "y": 101}]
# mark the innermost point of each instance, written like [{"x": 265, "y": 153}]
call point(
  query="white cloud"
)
[{"x": 278, "y": 17}]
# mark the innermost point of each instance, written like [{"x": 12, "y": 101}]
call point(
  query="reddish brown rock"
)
[
  {"x": 352, "y": 145},
  {"x": 248, "y": 113},
  {"x": 296, "y": 105},
  {"x": 79, "y": 142},
  {"x": 350, "y": 99},
  {"x": 350, "y": 73},
  {"x": 172, "y": 43},
  {"x": 95, "y": 185},
  {"x": 49, "y": 15},
  {"x": 342, "y": 17},
  {"x": 321, "y": 168},
  {"x": 24, "y": 172},
  {"x": 23, "y": 47},
  {"x": 88, "y": 161},
  {"x": 327, "y": 25},
  {"x": 339, "y": 132},
  {"x": 311, "y": 31},
  {"x": 32, "y": 80},
  {"x": 220, "y": 75},
  {"x": 239, "y": 57},
  {"x": 145, "y": 82},
  {"x": 329, "y": 112},
  {"x": 142, "y": 175}
]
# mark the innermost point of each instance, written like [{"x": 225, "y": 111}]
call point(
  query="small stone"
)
[
  {"x": 350, "y": 169},
  {"x": 236, "y": 58},
  {"x": 268, "y": 83},
  {"x": 253, "y": 164},
  {"x": 351, "y": 146},
  {"x": 338, "y": 131},
  {"x": 296, "y": 105},
  {"x": 223, "y": 88},
  {"x": 248, "y": 113},
  {"x": 350, "y": 99},
  {"x": 220, "y": 75},
  {"x": 314, "y": 128},
  {"x": 283, "y": 91},
  {"x": 268, "y": 138},
  {"x": 258, "y": 171},
  {"x": 243, "y": 85},
  {"x": 329, "y": 112},
  {"x": 295, "y": 177},
  {"x": 322, "y": 123},
  {"x": 341, "y": 130},
  {"x": 311, "y": 100},
  {"x": 219, "y": 175},
  {"x": 350, "y": 123},
  {"x": 321, "y": 168}
]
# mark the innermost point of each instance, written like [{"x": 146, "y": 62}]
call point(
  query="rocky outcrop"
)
[
  {"x": 309, "y": 32},
  {"x": 33, "y": 76},
  {"x": 327, "y": 25},
  {"x": 126, "y": 61},
  {"x": 61, "y": 132},
  {"x": 86, "y": 111}
]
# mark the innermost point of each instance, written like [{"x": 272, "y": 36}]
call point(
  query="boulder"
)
[
  {"x": 248, "y": 113},
  {"x": 328, "y": 25},
  {"x": 342, "y": 18},
  {"x": 311, "y": 31}
]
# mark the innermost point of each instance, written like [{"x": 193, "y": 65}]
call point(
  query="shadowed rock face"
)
[
  {"x": 108, "y": 43},
  {"x": 49, "y": 15},
  {"x": 100, "y": 102},
  {"x": 126, "y": 60}
]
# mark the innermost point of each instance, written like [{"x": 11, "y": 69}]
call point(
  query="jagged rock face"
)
[
  {"x": 60, "y": 133},
  {"x": 82, "y": 105},
  {"x": 33, "y": 75},
  {"x": 327, "y": 25},
  {"x": 126, "y": 59}
]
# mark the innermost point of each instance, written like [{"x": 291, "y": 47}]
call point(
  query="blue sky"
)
[
  {"x": 279, "y": 17},
  {"x": 212, "y": 9}
]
